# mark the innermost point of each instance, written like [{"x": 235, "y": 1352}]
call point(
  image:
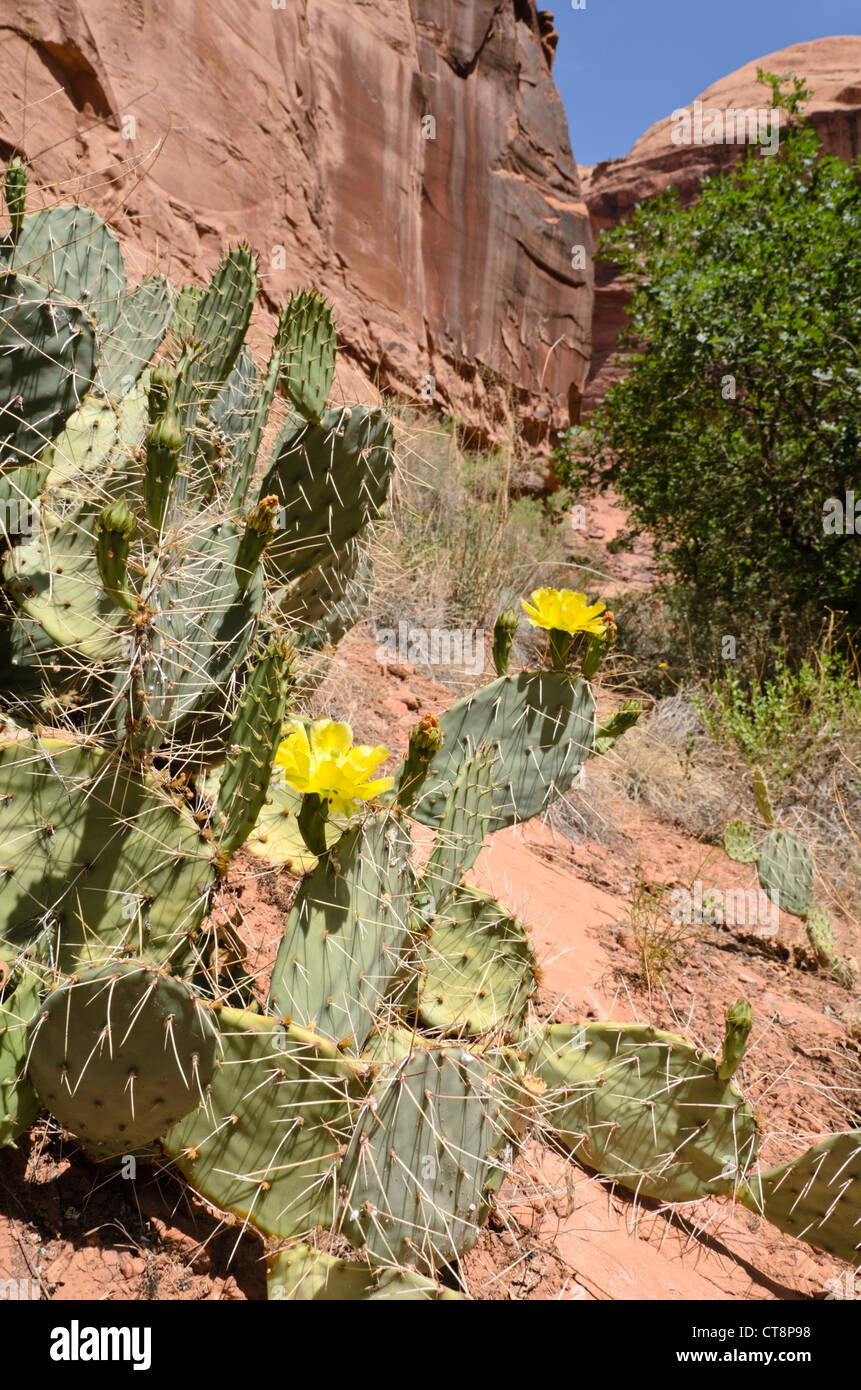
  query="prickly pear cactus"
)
[
  {"x": 362, "y": 1116},
  {"x": 540, "y": 728},
  {"x": 738, "y": 843}
]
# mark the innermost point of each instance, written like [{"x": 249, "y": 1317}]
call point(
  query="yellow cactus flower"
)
[
  {"x": 328, "y": 764},
  {"x": 563, "y": 610}
]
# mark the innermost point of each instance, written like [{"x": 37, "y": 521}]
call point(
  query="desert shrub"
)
[
  {"x": 785, "y": 721},
  {"x": 740, "y": 414}
]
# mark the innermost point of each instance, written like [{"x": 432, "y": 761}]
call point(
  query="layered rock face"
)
[
  {"x": 409, "y": 157},
  {"x": 612, "y": 189}
]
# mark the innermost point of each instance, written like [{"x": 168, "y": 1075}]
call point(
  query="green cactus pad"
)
[
  {"x": 119, "y": 1053},
  {"x": 185, "y": 313},
  {"x": 221, "y": 318},
  {"x": 303, "y": 1274},
  {"x": 815, "y": 1197},
  {"x": 738, "y": 1023},
  {"x": 762, "y": 796},
  {"x": 94, "y": 860},
  {"x": 277, "y": 1117},
  {"x": 307, "y": 602},
  {"x": 239, "y": 412},
  {"x": 19, "y": 1000},
  {"x": 645, "y": 1108},
  {"x": 608, "y": 735},
  {"x": 276, "y": 835},
  {"x": 477, "y": 969},
  {"x": 820, "y": 934},
  {"x": 785, "y": 871},
  {"x": 738, "y": 843},
  {"x": 330, "y": 479},
  {"x": 540, "y": 727},
  {"x": 253, "y": 742},
  {"x": 413, "y": 1177},
  {"x": 345, "y": 936},
  {"x": 73, "y": 253},
  {"x": 96, "y": 437},
  {"x": 55, "y": 581},
  {"x": 466, "y": 820},
  {"x": 202, "y": 630},
  {"x": 144, "y": 314},
  {"x": 307, "y": 344},
  {"x": 207, "y": 623},
  {"x": 47, "y": 361}
]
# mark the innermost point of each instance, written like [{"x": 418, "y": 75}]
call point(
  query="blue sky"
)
[{"x": 621, "y": 65}]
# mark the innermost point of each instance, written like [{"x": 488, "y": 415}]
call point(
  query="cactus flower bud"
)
[
  {"x": 739, "y": 1019},
  {"x": 503, "y": 636},
  {"x": 163, "y": 444},
  {"x": 260, "y": 526},
  {"x": 114, "y": 530},
  {"x": 161, "y": 386},
  {"x": 426, "y": 736},
  {"x": 599, "y": 646},
  {"x": 425, "y": 743},
  {"x": 15, "y": 191}
]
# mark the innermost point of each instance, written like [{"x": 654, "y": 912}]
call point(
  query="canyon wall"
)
[{"x": 408, "y": 157}]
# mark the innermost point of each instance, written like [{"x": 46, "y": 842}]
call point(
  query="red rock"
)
[
  {"x": 396, "y": 707},
  {"x": 410, "y": 700},
  {"x": 613, "y": 188},
  {"x": 301, "y": 129}
]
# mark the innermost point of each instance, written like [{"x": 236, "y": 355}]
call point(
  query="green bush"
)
[
  {"x": 781, "y": 721},
  {"x": 740, "y": 415}
]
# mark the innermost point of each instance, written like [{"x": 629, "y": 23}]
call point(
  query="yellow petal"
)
[{"x": 330, "y": 737}]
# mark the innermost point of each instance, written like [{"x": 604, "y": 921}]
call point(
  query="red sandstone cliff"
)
[
  {"x": 612, "y": 189},
  {"x": 298, "y": 124}
]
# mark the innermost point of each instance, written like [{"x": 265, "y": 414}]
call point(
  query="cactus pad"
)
[
  {"x": 93, "y": 859},
  {"x": 466, "y": 820},
  {"x": 120, "y": 1053},
  {"x": 304, "y": 1274},
  {"x": 738, "y": 843},
  {"x": 413, "y": 1177},
  {"x": 815, "y": 1197},
  {"x": 344, "y": 939},
  {"x": 19, "y": 999},
  {"x": 477, "y": 970},
  {"x": 330, "y": 479},
  {"x": 540, "y": 728},
  {"x": 307, "y": 344},
  {"x": 277, "y": 1116},
  {"x": 645, "y": 1108},
  {"x": 786, "y": 872},
  {"x": 47, "y": 360}
]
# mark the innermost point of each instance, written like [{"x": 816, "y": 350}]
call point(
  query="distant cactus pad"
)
[
  {"x": 786, "y": 872},
  {"x": 738, "y": 842},
  {"x": 120, "y": 1053}
]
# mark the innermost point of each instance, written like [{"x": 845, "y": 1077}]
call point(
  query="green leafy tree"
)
[{"x": 740, "y": 414}]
